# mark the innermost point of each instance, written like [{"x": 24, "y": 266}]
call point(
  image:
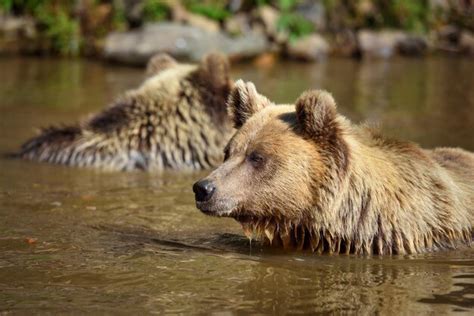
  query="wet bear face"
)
[{"x": 278, "y": 162}]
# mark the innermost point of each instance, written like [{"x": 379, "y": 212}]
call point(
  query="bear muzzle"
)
[
  {"x": 207, "y": 201},
  {"x": 203, "y": 190}
]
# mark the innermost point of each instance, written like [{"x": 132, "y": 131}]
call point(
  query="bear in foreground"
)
[
  {"x": 304, "y": 177},
  {"x": 177, "y": 119}
]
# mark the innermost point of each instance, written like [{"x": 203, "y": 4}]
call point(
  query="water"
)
[{"x": 85, "y": 241}]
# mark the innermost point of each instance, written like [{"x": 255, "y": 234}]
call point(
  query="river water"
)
[{"x": 75, "y": 240}]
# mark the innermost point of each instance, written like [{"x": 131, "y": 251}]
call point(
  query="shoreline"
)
[{"x": 130, "y": 32}]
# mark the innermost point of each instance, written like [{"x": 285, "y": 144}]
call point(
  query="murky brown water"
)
[{"x": 134, "y": 242}]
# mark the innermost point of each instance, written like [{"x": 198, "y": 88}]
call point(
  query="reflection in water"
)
[
  {"x": 134, "y": 242},
  {"x": 462, "y": 296}
]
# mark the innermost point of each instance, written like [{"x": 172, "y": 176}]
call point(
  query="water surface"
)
[{"x": 82, "y": 240}]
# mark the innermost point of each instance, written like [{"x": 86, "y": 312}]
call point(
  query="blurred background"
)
[
  {"x": 130, "y": 31},
  {"x": 78, "y": 240}
]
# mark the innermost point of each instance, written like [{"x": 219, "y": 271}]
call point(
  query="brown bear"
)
[
  {"x": 177, "y": 119},
  {"x": 302, "y": 176}
]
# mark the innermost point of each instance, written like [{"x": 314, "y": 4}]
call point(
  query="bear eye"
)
[{"x": 256, "y": 159}]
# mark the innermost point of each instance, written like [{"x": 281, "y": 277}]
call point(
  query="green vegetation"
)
[
  {"x": 158, "y": 10},
  {"x": 293, "y": 23},
  {"x": 290, "y": 21},
  {"x": 64, "y": 30},
  {"x": 6, "y": 5},
  {"x": 155, "y": 10},
  {"x": 408, "y": 15},
  {"x": 119, "y": 20},
  {"x": 55, "y": 22},
  {"x": 403, "y": 14},
  {"x": 214, "y": 10},
  {"x": 61, "y": 30}
]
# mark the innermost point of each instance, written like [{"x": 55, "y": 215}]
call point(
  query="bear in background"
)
[
  {"x": 302, "y": 176},
  {"x": 177, "y": 119}
]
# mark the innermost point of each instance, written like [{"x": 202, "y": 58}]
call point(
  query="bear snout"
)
[{"x": 203, "y": 190}]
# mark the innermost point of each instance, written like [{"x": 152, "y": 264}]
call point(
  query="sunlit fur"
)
[
  {"x": 176, "y": 119},
  {"x": 330, "y": 186}
]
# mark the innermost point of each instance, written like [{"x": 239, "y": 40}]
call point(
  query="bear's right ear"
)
[
  {"x": 158, "y": 63},
  {"x": 316, "y": 113},
  {"x": 244, "y": 101},
  {"x": 214, "y": 70}
]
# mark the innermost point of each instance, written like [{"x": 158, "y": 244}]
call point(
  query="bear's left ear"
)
[
  {"x": 158, "y": 63},
  {"x": 244, "y": 101},
  {"x": 214, "y": 70},
  {"x": 316, "y": 113}
]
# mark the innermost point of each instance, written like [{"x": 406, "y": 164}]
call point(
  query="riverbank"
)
[{"x": 130, "y": 32}]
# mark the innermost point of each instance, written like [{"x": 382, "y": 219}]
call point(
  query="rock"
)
[
  {"x": 381, "y": 44},
  {"x": 449, "y": 34},
  {"x": 386, "y": 43},
  {"x": 246, "y": 46},
  {"x": 238, "y": 24},
  {"x": 181, "y": 41},
  {"x": 466, "y": 42},
  {"x": 365, "y": 8},
  {"x": 180, "y": 14},
  {"x": 201, "y": 22},
  {"x": 310, "y": 48},
  {"x": 269, "y": 17},
  {"x": 12, "y": 26},
  {"x": 314, "y": 12},
  {"x": 345, "y": 43},
  {"x": 447, "y": 39},
  {"x": 412, "y": 45},
  {"x": 439, "y": 5},
  {"x": 238, "y": 5},
  {"x": 17, "y": 34}
]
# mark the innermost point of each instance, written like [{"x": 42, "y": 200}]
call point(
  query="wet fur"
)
[
  {"x": 342, "y": 188},
  {"x": 175, "y": 120},
  {"x": 421, "y": 207}
]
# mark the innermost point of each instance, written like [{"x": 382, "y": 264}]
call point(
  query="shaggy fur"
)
[
  {"x": 176, "y": 119},
  {"x": 304, "y": 177}
]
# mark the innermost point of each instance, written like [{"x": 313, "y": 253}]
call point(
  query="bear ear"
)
[
  {"x": 244, "y": 101},
  {"x": 158, "y": 63},
  {"x": 215, "y": 70},
  {"x": 316, "y": 113}
]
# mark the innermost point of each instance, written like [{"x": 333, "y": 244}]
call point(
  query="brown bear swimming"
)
[
  {"x": 304, "y": 177},
  {"x": 177, "y": 119}
]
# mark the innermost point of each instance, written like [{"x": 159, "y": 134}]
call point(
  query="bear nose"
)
[{"x": 203, "y": 190}]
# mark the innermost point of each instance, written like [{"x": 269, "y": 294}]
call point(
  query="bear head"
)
[
  {"x": 283, "y": 162},
  {"x": 210, "y": 80}
]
